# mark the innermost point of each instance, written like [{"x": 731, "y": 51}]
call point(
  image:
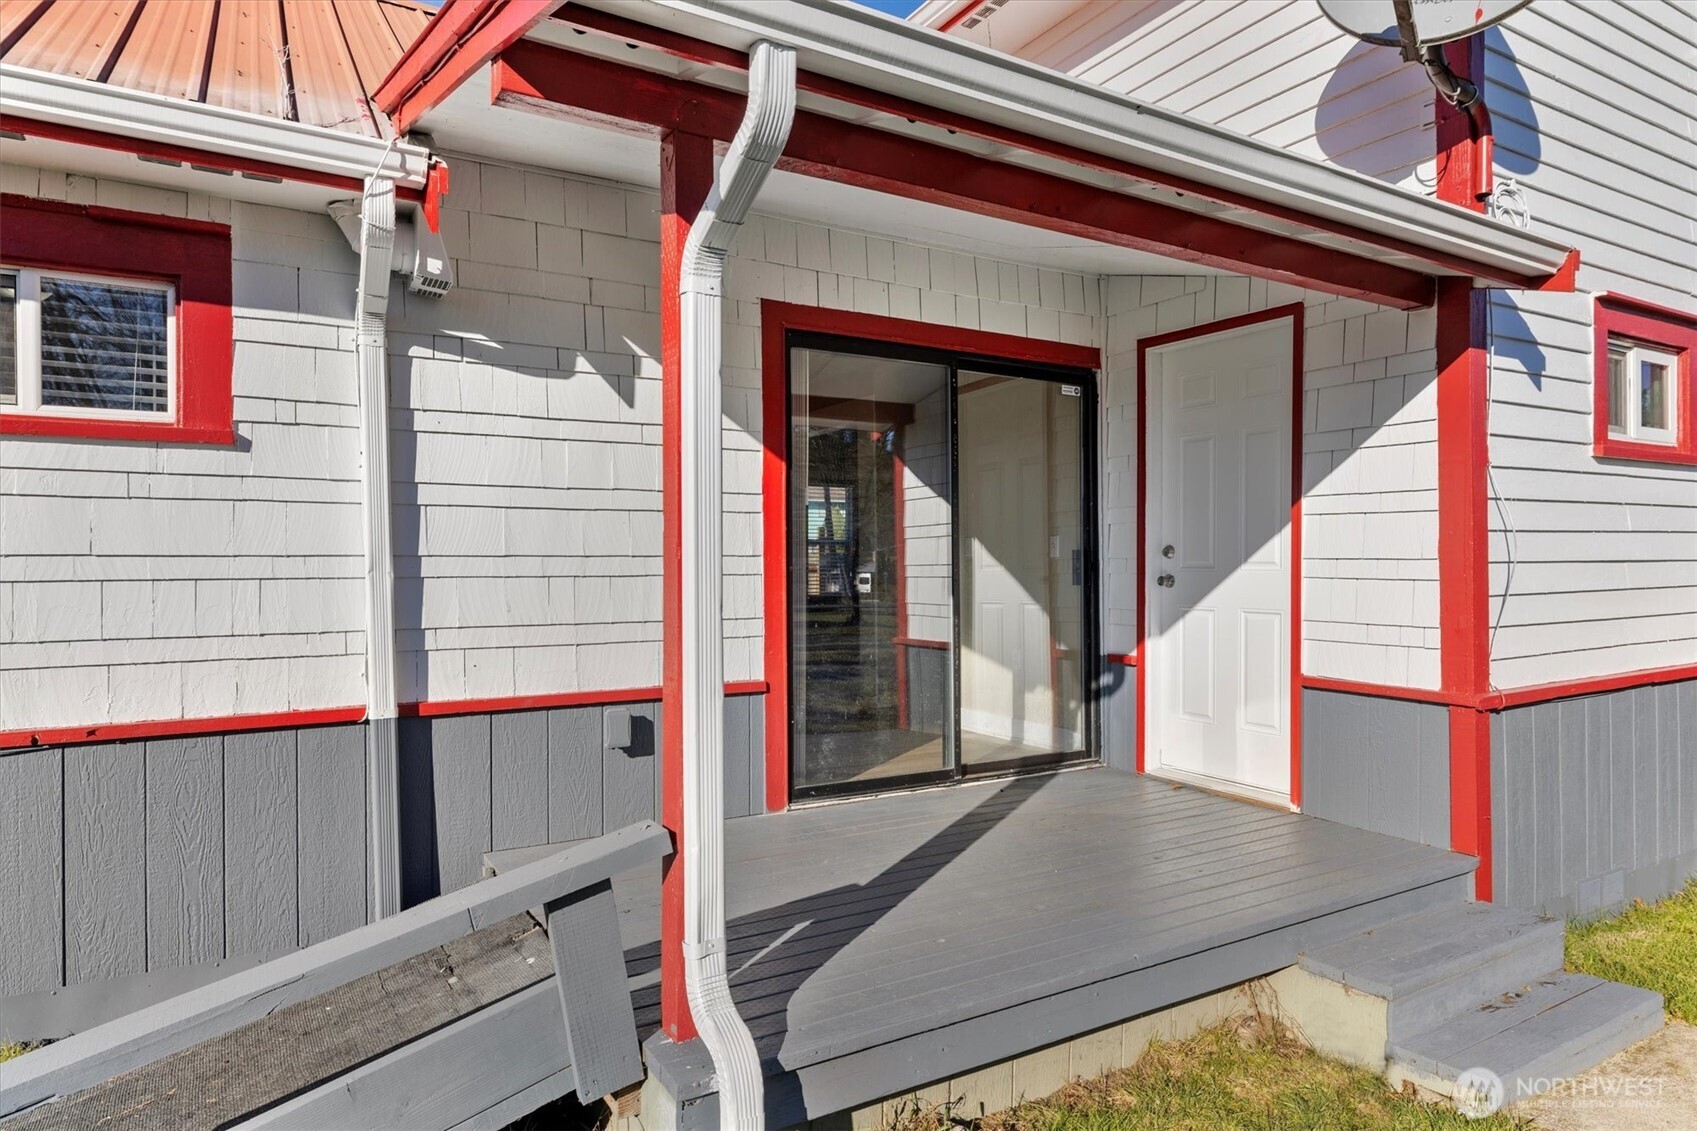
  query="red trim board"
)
[
  {"x": 186, "y": 155},
  {"x": 549, "y": 79},
  {"x": 1296, "y": 313},
  {"x": 1617, "y": 316},
  {"x": 686, "y": 176},
  {"x": 777, "y": 320},
  {"x": 1463, "y": 467},
  {"x": 460, "y": 38},
  {"x": 192, "y": 255},
  {"x": 633, "y": 32},
  {"x": 438, "y": 708}
]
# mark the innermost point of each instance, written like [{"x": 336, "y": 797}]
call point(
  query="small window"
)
[
  {"x": 1644, "y": 382},
  {"x": 114, "y": 325},
  {"x": 92, "y": 347}
]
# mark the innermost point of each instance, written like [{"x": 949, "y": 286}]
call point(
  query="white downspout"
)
[
  {"x": 755, "y": 149},
  {"x": 376, "y": 248}
]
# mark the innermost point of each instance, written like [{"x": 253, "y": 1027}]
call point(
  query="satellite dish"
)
[{"x": 1434, "y": 21}]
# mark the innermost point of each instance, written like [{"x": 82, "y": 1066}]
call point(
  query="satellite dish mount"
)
[{"x": 1420, "y": 28}]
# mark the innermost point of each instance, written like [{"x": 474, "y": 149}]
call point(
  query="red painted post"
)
[
  {"x": 1463, "y": 462},
  {"x": 686, "y": 175}
]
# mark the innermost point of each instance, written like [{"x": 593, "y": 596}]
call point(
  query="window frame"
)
[
  {"x": 191, "y": 258},
  {"x": 30, "y": 391},
  {"x": 1644, "y": 328}
]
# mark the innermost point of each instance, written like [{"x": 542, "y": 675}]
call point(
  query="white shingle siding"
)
[
  {"x": 1370, "y": 535},
  {"x": 1275, "y": 71},
  {"x": 1593, "y": 562},
  {"x": 156, "y": 581}
]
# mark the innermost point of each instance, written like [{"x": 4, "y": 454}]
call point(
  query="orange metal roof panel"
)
[
  {"x": 311, "y": 61},
  {"x": 326, "y": 83},
  {"x": 168, "y": 48},
  {"x": 75, "y": 39}
]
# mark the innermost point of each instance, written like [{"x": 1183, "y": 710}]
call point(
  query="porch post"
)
[
  {"x": 686, "y": 176},
  {"x": 1463, "y": 496}
]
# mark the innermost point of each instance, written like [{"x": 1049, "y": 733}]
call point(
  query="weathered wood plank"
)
[
  {"x": 31, "y": 869},
  {"x": 589, "y": 967},
  {"x": 574, "y": 773},
  {"x": 424, "y": 1086},
  {"x": 261, "y": 865},
  {"x": 460, "y": 756},
  {"x": 140, "y": 1038},
  {"x": 333, "y": 854},
  {"x": 185, "y": 850},
  {"x": 518, "y": 779},
  {"x": 105, "y": 858}
]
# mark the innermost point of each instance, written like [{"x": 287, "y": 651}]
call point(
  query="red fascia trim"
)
[
  {"x": 686, "y": 176},
  {"x": 1672, "y": 330},
  {"x": 537, "y": 76},
  {"x": 163, "y": 728},
  {"x": 777, "y": 319},
  {"x": 460, "y": 38},
  {"x": 1378, "y": 690},
  {"x": 192, "y": 255},
  {"x": 98, "y": 139},
  {"x": 954, "y": 19},
  {"x": 1296, "y": 312},
  {"x": 711, "y": 54},
  {"x": 437, "y": 708}
]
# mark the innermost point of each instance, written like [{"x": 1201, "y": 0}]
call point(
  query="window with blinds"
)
[{"x": 86, "y": 346}]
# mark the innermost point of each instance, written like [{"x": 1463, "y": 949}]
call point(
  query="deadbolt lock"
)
[{"x": 1167, "y": 551}]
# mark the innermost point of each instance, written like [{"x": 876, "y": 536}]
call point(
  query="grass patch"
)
[
  {"x": 1649, "y": 945},
  {"x": 10, "y": 1050},
  {"x": 1244, "y": 1075}
]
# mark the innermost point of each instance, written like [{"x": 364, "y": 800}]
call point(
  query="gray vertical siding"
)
[
  {"x": 1377, "y": 764},
  {"x": 1594, "y": 800},
  {"x": 118, "y": 859},
  {"x": 1117, "y": 699}
]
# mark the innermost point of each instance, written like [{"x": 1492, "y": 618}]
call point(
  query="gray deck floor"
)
[{"x": 857, "y": 924}]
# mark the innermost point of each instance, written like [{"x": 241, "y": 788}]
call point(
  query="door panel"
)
[{"x": 1220, "y": 490}]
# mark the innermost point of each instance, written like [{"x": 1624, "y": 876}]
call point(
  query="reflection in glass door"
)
[{"x": 938, "y": 532}]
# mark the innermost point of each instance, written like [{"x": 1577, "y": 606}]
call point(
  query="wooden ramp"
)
[{"x": 374, "y": 1028}]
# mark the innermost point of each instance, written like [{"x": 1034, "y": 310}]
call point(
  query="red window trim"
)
[
  {"x": 192, "y": 255},
  {"x": 1671, "y": 330}
]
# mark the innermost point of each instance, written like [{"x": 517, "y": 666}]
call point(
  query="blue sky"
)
[{"x": 893, "y": 7}]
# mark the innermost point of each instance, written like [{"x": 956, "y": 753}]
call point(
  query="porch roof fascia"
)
[
  {"x": 871, "y": 62},
  {"x": 859, "y": 46}
]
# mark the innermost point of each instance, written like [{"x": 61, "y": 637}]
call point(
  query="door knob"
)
[
  {"x": 1165, "y": 581},
  {"x": 1167, "y": 551}
]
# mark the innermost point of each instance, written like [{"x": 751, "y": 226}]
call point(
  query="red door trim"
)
[
  {"x": 1296, "y": 312},
  {"x": 777, "y": 319}
]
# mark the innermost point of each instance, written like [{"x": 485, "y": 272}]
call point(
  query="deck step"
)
[
  {"x": 1559, "y": 1026},
  {"x": 1430, "y": 966}
]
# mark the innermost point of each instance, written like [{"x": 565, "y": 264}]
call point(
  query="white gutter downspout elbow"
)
[
  {"x": 755, "y": 149},
  {"x": 376, "y": 247}
]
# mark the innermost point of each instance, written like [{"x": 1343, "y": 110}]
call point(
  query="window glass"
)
[
  {"x": 1653, "y": 392},
  {"x": 8, "y": 337},
  {"x": 104, "y": 346},
  {"x": 1620, "y": 389}
]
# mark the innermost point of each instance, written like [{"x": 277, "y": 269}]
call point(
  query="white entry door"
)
[{"x": 1218, "y": 565}]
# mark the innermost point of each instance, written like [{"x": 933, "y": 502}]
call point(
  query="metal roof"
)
[{"x": 309, "y": 61}]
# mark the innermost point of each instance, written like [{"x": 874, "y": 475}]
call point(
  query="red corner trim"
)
[
  {"x": 1470, "y": 793},
  {"x": 1295, "y": 311},
  {"x": 192, "y": 255},
  {"x": 460, "y": 38},
  {"x": 1672, "y": 330},
  {"x": 266, "y": 170},
  {"x": 536, "y": 75}
]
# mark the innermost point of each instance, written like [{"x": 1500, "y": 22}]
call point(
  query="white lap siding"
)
[
  {"x": 1593, "y": 561},
  {"x": 160, "y": 581},
  {"x": 1275, "y": 71},
  {"x": 1370, "y": 534}
]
